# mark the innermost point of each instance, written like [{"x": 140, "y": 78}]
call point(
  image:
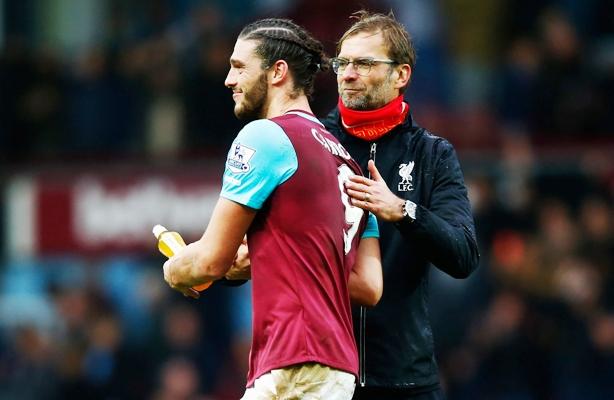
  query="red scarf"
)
[{"x": 373, "y": 124}]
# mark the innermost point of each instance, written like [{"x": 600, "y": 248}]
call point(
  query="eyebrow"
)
[{"x": 236, "y": 63}]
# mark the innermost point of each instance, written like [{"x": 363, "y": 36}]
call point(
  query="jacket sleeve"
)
[{"x": 445, "y": 232}]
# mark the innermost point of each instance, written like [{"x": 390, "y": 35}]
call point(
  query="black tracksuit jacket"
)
[{"x": 398, "y": 343}]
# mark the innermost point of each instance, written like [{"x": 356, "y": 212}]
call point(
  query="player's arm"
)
[
  {"x": 260, "y": 159},
  {"x": 366, "y": 282},
  {"x": 210, "y": 257},
  {"x": 241, "y": 268}
]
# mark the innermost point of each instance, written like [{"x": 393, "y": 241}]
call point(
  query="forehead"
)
[
  {"x": 364, "y": 44},
  {"x": 244, "y": 51}
]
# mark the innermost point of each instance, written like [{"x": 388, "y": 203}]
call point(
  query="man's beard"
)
[
  {"x": 370, "y": 100},
  {"x": 254, "y": 99}
]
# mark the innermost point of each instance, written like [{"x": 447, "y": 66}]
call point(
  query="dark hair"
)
[
  {"x": 282, "y": 39},
  {"x": 396, "y": 38}
]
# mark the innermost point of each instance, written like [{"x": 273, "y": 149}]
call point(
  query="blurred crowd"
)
[
  {"x": 524, "y": 89},
  {"x": 537, "y": 320},
  {"x": 111, "y": 329}
]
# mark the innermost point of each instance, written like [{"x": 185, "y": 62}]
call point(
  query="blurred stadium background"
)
[{"x": 114, "y": 117}]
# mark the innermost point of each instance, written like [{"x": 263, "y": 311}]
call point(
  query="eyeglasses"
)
[{"x": 362, "y": 66}]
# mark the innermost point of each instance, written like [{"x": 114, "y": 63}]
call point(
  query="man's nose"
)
[
  {"x": 230, "y": 80},
  {"x": 349, "y": 72}
]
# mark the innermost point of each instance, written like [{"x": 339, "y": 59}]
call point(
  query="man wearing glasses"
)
[{"x": 418, "y": 194}]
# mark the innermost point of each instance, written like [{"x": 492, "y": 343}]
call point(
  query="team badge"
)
[
  {"x": 405, "y": 171},
  {"x": 238, "y": 158}
]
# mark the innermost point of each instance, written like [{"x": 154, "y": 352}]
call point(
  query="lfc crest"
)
[{"x": 405, "y": 171}]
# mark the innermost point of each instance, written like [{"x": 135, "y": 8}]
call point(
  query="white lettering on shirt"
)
[{"x": 335, "y": 148}]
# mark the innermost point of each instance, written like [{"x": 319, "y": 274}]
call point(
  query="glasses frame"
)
[{"x": 334, "y": 62}]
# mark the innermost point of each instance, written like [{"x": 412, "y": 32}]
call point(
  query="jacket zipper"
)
[
  {"x": 372, "y": 154},
  {"x": 363, "y": 310}
]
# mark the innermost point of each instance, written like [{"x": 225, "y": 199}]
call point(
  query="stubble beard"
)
[
  {"x": 254, "y": 99},
  {"x": 370, "y": 99}
]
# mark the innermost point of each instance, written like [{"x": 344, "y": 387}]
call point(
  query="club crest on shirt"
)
[
  {"x": 238, "y": 158},
  {"x": 405, "y": 171}
]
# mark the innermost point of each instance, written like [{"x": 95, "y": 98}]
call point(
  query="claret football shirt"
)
[{"x": 302, "y": 242}]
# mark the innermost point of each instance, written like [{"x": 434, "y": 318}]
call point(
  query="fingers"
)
[
  {"x": 357, "y": 187},
  {"x": 365, "y": 205},
  {"x": 188, "y": 292},
  {"x": 375, "y": 175},
  {"x": 191, "y": 293},
  {"x": 167, "y": 272},
  {"x": 359, "y": 195},
  {"x": 359, "y": 179}
]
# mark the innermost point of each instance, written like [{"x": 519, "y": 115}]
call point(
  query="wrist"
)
[
  {"x": 408, "y": 213},
  {"x": 398, "y": 210}
]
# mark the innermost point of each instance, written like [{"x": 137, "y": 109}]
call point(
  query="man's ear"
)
[
  {"x": 278, "y": 72},
  {"x": 404, "y": 72}
]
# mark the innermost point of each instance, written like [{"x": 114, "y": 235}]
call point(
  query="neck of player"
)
[{"x": 282, "y": 103}]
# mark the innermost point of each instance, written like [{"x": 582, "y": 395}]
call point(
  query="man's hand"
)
[
  {"x": 241, "y": 266},
  {"x": 373, "y": 195},
  {"x": 168, "y": 277}
]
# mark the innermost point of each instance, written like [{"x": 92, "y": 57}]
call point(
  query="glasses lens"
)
[
  {"x": 363, "y": 66},
  {"x": 339, "y": 65}
]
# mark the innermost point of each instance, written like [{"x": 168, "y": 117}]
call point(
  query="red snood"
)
[{"x": 373, "y": 124}]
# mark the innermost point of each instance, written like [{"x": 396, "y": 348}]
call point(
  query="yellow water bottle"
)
[{"x": 170, "y": 242}]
